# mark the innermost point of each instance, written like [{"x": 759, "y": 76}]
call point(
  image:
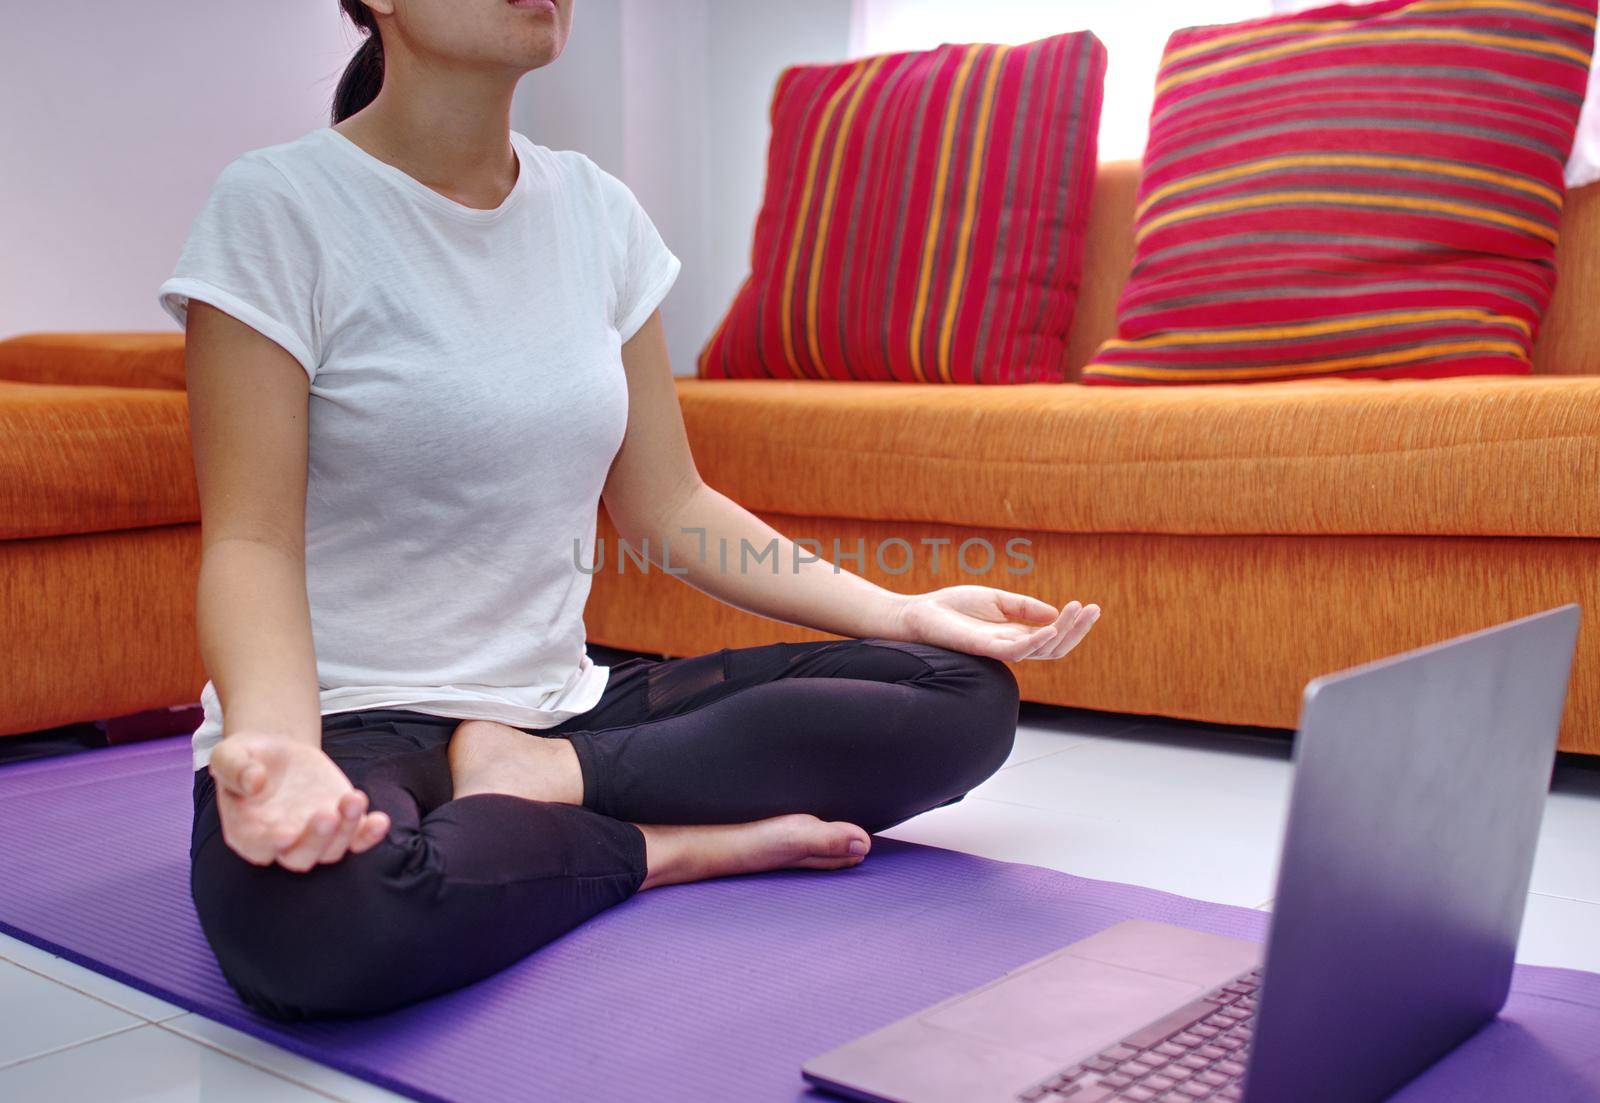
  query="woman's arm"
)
[
  {"x": 247, "y": 408},
  {"x": 280, "y": 797},
  {"x": 656, "y": 499}
]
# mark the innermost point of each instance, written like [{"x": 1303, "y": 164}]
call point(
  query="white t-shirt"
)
[{"x": 467, "y": 399}]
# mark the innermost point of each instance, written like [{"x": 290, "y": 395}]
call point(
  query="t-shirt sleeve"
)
[
  {"x": 646, "y": 268},
  {"x": 252, "y": 253}
]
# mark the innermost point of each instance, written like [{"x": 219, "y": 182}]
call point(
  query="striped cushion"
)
[
  {"x": 923, "y": 218},
  {"x": 1364, "y": 190}
]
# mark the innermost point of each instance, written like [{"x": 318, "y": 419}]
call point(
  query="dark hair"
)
[{"x": 364, "y": 75}]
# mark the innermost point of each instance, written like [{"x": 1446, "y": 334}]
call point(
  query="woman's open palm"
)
[
  {"x": 284, "y": 801},
  {"x": 981, "y": 620}
]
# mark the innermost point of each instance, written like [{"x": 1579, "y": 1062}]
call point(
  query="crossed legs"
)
[{"x": 733, "y": 762}]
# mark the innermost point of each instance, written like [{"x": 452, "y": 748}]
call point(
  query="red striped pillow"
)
[
  {"x": 923, "y": 218},
  {"x": 1369, "y": 190}
]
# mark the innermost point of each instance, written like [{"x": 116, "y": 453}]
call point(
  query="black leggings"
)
[{"x": 868, "y": 731}]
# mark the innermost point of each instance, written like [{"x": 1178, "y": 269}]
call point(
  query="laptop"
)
[{"x": 1418, "y": 788}]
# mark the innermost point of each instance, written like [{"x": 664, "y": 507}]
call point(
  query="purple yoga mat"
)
[{"x": 714, "y": 991}]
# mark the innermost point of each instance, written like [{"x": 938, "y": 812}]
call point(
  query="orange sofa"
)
[{"x": 1241, "y": 538}]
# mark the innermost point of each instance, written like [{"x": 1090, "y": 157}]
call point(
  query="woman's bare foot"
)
[
  {"x": 486, "y": 757},
  {"x": 674, "y": 855}
]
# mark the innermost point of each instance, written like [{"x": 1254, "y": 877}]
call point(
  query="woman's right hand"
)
[{"x": 283, "y": 800}]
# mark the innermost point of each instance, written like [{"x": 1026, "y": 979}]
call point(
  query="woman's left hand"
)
[{"x": 983, "y": 621}]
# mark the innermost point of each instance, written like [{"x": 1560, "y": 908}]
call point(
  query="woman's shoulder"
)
[
  {"x": 576, "y": 171},
  {"x": 311, "y": 146},
  {"x": 580, "y": 176},
  {"x": 280, "y": 172},
  {"x": 263, "y": 192}
]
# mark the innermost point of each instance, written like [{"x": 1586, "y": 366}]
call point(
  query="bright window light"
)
[{"x": 1134, "y": 33}]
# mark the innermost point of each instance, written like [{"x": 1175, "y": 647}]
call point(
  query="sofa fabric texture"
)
[
  {"x": 98, "y": 625},
  {"x": 1367, "y": 190},
  {"x": 136, "y": 359},
  {"x": 923, "y": 218},
  {"x": 1222, "y": 629},
  {"x": 1372, "y": 516},
  {"x": 92, "y": 459},
  {"x": 1480, "y": 456}
]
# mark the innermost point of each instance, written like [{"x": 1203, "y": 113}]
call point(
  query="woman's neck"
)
[{"x": 449, "y": 130}]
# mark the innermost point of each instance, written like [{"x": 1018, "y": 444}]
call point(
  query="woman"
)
[{"x": 421, "y": 350}]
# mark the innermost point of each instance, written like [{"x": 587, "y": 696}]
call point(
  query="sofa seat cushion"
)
[
  {"x": 93, "y": 459},
  {"x": 1484, "y": 456},
  {"x": 153, "y": 359}
]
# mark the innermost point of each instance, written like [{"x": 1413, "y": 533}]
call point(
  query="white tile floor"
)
[{"x": 1111, "y": 797}]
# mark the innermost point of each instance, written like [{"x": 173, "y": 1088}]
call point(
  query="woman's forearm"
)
[
  {"x": 721, "y": 548},
  {"x": 255, "y": 638}
]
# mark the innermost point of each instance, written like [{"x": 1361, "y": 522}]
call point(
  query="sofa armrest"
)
[
  {"x": 80, "y": 459},
  {"x": 95, "y": 359}
]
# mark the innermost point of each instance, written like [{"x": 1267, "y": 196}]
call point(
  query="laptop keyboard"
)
[{"x": 1197, "y": 1052}]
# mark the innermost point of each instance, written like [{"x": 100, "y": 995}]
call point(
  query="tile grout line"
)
[
  {"x": 1042, "y": 757},
  {"x": 144, "y": 1021},
  {"x": 19, "y": 1062},
  {"x": 243, "y": 1060},
  {"x": 1083, "y": 742},
  {"x": 97, "y": 998},
  {"x": 1568, "y": 899},
  {"x": 1088, "y": 737},
  {"x": 1047, "y": 811}
]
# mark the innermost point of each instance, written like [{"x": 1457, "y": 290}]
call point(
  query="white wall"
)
[
  {"x": 672, "y": 98},
  {"x": 749, "y": 44},
  {"x": 115, "y": 118}
]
